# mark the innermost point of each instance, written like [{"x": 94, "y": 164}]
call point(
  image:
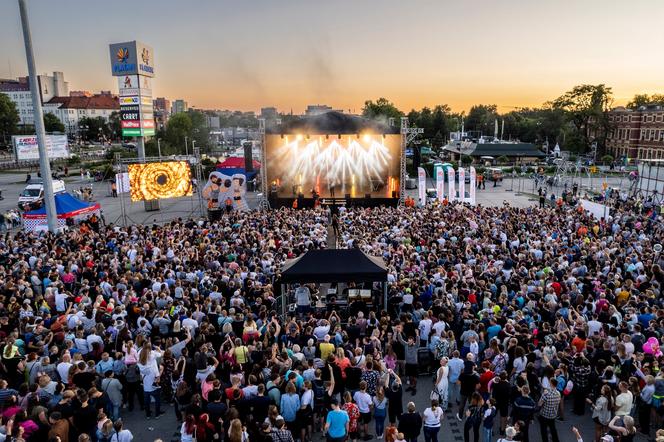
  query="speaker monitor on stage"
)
[
  {"x": 248, "y": 158},
  {"x": 394, "y": 194}
]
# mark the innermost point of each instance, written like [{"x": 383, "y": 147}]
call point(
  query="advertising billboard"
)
[
  {"x": 129, "y": 100},
  {"x": 131, "y": 58},
  {"x": 151, "y": 181},
  {"x": 333, "y": 165},
  {"x": 26, "y": 147}
]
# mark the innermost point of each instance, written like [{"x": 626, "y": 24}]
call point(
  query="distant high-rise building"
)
[
  {"x": 19, "y": 92},
  {"x": 162, "y": 110},
  {"x": 179, "y": 106}
]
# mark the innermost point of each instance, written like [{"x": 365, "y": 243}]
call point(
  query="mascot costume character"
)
[{"x": 221, "y": 188}]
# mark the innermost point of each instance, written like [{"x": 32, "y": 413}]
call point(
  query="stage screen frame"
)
[{"x": 291, "y": 173}]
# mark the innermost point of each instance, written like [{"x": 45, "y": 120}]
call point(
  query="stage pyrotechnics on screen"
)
[{"x": 332, "y": 157}]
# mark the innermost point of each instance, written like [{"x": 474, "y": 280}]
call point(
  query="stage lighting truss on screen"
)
[
  {"x": 336, "y": 161},
  {"x": 153, "y": 181}
]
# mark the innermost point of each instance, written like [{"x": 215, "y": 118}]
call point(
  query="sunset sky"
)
[{"x": 245, "y": 54}]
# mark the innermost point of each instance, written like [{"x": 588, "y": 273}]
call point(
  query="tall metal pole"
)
[
  {"x": 44, "y": 166},
  {"x": 159, "y": 147},
  {"x": 186, "y": 148}
]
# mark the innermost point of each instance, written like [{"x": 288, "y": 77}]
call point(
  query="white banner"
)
[
  {"x": 597, "y": 210},
  {"x": 450, "y": 184},
  {"x": 440, "y": 184},
  {"x": 122, "y": 182},
  {"x": 26, "y": 147},
  {"x": 473, "y": 184},
  {"x": 422, "y": 185},
  {"x": 462, "y": 184}
]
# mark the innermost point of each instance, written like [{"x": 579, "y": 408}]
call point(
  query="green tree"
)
[
  {"x": 200, "y": 132},
  {"x": 382, "y": 108},
  {"x": 9, "y": 117},
  {"x": 482, "y": 118},
  {"x": 178, "y": 127},
  {"x": 586, "y": 107},
  {"x": 52, "y": 123},
  {"x": 114, "y": 125},
  {"x": 645, "y": 99},
  {"x": 93, "y": 129}
]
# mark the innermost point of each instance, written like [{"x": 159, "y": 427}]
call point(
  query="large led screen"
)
[
  {"x": 333, "y": 165},
  {"x": 151, "y": 181}
]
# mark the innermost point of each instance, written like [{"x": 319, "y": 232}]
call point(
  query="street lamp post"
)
[
  {"x": 159, "y": 147},
  {"x": 44, "y": 166},
  {"x": 186, "y": 148}
]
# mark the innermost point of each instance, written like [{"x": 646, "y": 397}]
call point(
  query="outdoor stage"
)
[{"x": 336, "y": 158}]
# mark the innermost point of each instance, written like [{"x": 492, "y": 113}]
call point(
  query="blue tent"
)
[{"x": 66, "y": 206}]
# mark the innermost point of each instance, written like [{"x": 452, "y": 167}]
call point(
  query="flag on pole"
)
[
  {"x": 440, "y": 184},
  {"x": 450, "y": 184},
  {"x": 473, "y": 184},
  {"x": 462, "y": 184},
  {"x": 422, "y": 185}
]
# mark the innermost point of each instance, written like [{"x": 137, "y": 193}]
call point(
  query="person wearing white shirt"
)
[
  {"x": 151, "y": 388},
  {"x": 92, "y": 338},
  {"x": 61, "y": 302},
  {"x": 364, "y": 402},
  {"x": 63, "y": 368},
  {"x": 425, "y": 329},
  {"x": 431, "y": 420}
]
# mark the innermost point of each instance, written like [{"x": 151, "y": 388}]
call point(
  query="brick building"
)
[{"x": 637, "y": 133}]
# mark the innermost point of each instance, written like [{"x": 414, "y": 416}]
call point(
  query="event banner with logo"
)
[
  {"x": 473, "y": 184},
  {"x": 440, "y": 184},
  {"x": 26, "y": 147},
  {"x": 450, "y": 184},
  {"x": 462, "y": 184},
  {"x": 422, "y": 185}
]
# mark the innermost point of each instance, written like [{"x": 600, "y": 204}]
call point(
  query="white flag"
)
[
  {"x": 462, "y": 184},
  {"x": 473, "y": 184},
  {"x": 450, "y": 184},
  {"x": 422, "y": 185},
  {"x": 440, "y": 184}
]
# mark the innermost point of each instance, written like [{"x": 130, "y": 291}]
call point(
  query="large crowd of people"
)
[{"x": 520, "y": 318}]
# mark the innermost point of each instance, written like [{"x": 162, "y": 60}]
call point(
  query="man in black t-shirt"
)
[{"x": 469, "y": 380}]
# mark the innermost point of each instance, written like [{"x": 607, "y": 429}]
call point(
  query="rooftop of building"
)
[{"x": 100, "y": 101}]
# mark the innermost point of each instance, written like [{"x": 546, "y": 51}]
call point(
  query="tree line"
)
[{"x": 574, "y": 120}]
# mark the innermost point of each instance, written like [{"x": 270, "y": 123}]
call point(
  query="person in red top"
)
[
  {"x": 579, "y": 341},
  {"x": 486, "y": 377},
  {"x": 557, "y": 288},
  {"x": 353, "y": 414}
]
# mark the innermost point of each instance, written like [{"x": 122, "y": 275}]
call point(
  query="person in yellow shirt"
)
[
  {"x": 326, "y": 348},
  {"x": 241, "y": 352}
]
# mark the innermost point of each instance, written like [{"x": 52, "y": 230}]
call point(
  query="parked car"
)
[{"x": 32, "y": 196}]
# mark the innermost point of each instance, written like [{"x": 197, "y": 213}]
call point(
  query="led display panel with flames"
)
[{"x": 151, "y": 181}]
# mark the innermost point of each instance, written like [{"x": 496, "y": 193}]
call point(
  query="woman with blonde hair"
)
[
  {"x": 623, "y": 426},
  {"x": 236, "y": 432}
]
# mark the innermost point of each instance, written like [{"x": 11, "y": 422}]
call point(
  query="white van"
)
[{"x": 32, "y": 196}]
